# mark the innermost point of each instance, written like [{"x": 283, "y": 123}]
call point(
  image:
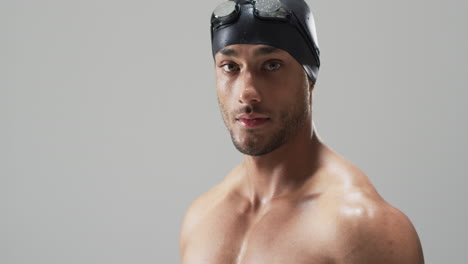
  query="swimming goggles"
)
[{"x": 229, "y": 11}]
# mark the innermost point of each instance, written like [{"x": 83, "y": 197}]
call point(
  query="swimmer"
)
[{"x": 292, "y": 200}]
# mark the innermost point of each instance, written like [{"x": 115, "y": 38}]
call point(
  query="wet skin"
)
[{"x": 292, "y": 199}]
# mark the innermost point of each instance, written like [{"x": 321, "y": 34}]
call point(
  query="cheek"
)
[
  {"x": 224, "y": 88},
  {"x": 292, "y": 92},
  {"x": 224, "y": 97},
  {"x": 225, "y": 80}
]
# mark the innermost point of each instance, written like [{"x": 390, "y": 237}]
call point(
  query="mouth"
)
[{"x": 253, "y": 122}]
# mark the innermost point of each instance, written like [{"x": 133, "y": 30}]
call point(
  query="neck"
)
[{"x": 282, "y": 171}]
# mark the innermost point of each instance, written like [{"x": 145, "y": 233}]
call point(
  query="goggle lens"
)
[
  {"x": 225, "y": 9},
  {"x": 267, "y": 6},
  {"x": 228, "y": 11}
]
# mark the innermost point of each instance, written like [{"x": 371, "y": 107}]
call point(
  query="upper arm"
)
[
  {"x": 378, "y": 234},
  {"x": 184, "y": 228},
  {"x": 194, "y": 215},
  {"x": 191, "y": 218}
]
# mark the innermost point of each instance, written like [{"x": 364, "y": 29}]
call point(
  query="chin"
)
[{"x": 255, "y": 145}]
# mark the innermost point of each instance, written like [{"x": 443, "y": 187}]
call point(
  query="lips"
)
[{"x": 252, "y": 120}]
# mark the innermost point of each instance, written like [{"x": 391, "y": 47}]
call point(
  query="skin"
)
[{"x": 301, "y": 202}]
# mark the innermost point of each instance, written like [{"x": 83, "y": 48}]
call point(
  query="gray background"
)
[{"x": 110, "y": 126}]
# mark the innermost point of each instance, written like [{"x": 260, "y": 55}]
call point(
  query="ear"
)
[{"x": 311, "y": 84}]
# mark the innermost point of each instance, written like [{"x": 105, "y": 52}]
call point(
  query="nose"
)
[{"x": 249, "y": 93}]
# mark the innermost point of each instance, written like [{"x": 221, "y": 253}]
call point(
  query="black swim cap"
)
[{"x": 290, "y": 28}]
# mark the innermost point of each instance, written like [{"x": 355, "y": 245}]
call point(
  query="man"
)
[{"x": 292, "y": 200}]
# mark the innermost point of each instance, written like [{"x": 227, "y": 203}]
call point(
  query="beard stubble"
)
[{"x": 287, "y": 124}]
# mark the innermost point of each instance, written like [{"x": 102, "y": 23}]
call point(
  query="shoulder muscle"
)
[{"x": 376, "y": 232}]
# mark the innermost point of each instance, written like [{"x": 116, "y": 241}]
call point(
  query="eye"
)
[
  {"x": 272, "y": 66},
  {"x": 230, "y": 67}
]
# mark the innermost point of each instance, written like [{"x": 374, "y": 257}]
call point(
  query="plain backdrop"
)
[{"x": 109, "y": 124}]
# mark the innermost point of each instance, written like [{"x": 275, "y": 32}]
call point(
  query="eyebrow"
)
[
  {"x": 229, "y": 52},
  {"x": 265, "y": 50},
  {"x": 262, "y": 51}
]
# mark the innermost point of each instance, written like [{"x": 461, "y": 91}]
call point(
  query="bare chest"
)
[{"x": 280, "y": 235}]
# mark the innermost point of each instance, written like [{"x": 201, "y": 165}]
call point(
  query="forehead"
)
[{"x": 250, "y": 50}]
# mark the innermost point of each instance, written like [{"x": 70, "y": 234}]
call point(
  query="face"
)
[{"x": 264, "y": 96}]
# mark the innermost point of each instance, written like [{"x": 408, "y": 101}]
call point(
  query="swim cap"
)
[{"x": 285, "y": 24}]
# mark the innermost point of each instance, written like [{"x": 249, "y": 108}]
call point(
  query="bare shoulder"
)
[
  {"x": 372, "y": 231},
  {"x": 195, "y": 213},
  {"x": 201, "y": 207},
  {"x": 367, "y": 229}
]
